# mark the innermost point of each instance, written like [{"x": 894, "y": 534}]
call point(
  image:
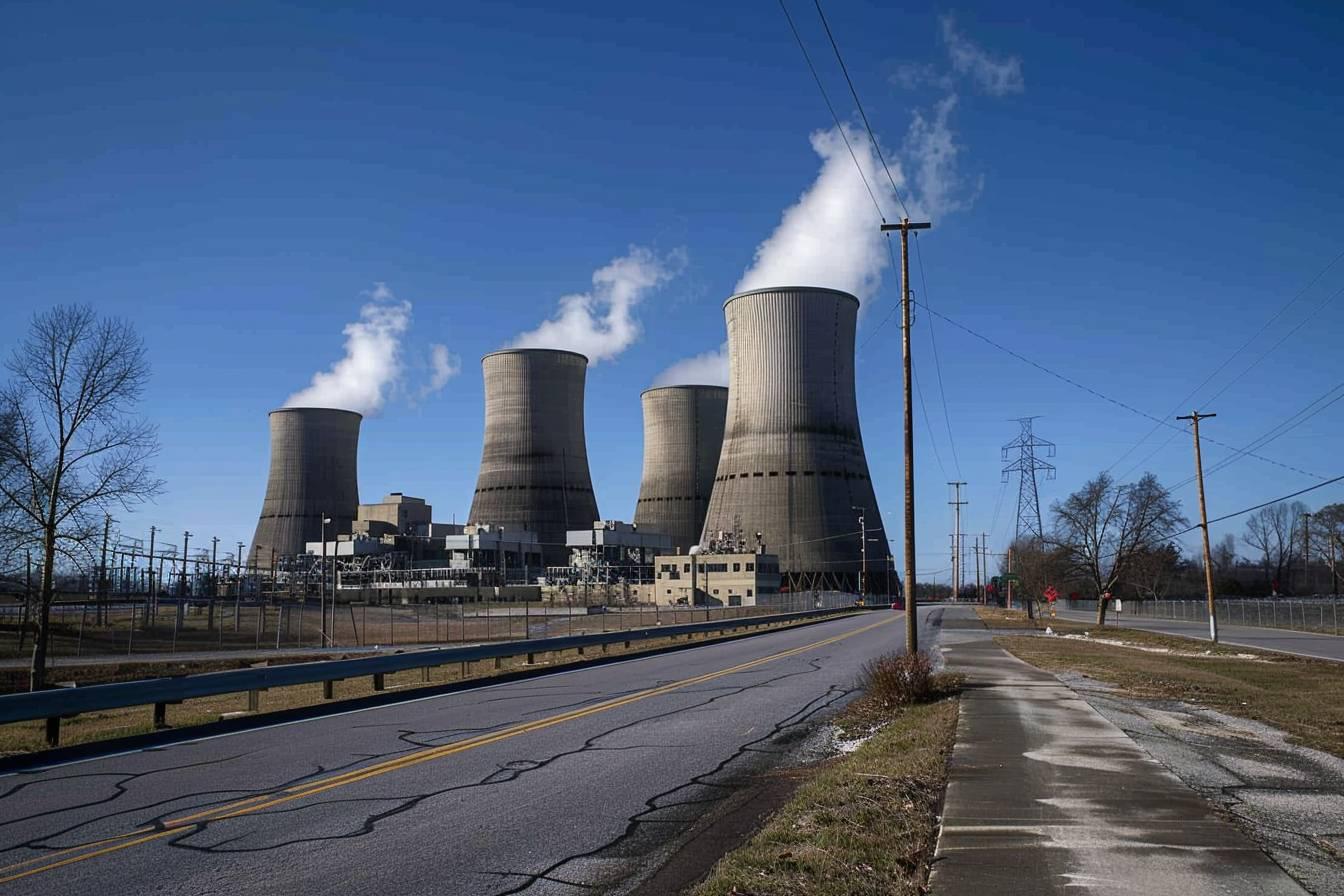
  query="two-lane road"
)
[
  {"x": 1319, "y": 646},
  {"x": 566, "y": 783}
]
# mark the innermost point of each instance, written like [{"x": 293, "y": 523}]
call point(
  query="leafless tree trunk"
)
[{"x": 69, "y": 448}]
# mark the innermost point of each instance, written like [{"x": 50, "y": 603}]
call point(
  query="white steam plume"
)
[
  {"x": 995, "y": 75},
  {"x": 601, "y": 323},
  {"x": 372, "y": 369},
  {"x": 828, "y": 237},
  {"x": 708, "y": 369}
]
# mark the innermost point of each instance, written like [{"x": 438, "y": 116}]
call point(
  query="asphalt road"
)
[
  {"x": 1326, "y": 647},
  {"x": 573, "y": 782}
]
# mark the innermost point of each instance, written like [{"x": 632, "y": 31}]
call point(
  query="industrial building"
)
[
  {"x": 613, "y": 551},
  {"x": 683, "y": 432},
  {"x": 792, "y": 467},
  {"x": 494, "y": 555},
  {"x": 534, "y": 463},
  {"x": 719, "y": 580},
  {"x": 396, "y": 514},
  {"x": 314, "y": 454}
]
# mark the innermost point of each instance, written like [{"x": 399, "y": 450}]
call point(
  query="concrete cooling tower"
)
[
  {"x": 534, "y": 465},
  {"x": 313, "y": 473},
  {"x": 792, "y": 465},
  {"x": 683, "y": 431}
]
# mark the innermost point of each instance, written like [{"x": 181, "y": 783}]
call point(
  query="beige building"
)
[
  {"x": 396, "y": 514},
  {"x": 721, "y": 580}
]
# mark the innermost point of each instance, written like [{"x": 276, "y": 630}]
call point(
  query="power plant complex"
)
[
  {"x": 314, "y": 474},
  {"x": 770, "y": 470},
  {"x": 534, "y": 464},
  {"x": 792, "y": 467},
  {"x": 683, "y": 431}
]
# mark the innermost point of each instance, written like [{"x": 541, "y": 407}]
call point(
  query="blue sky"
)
[{"x": 1132, "y": 195}]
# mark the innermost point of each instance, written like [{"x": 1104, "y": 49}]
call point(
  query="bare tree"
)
[
  {"x": 1327, "y": 539},
  {"x": 1152, "y": 570},
  {"x": 1037, "y": 566},
  {"x": 1273, "y": 532},
  {"x": 71, "y": 450},
  {"x": 1103, "y": 526}
]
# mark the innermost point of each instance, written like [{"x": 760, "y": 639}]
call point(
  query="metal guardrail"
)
[{"x": 55, "y": 704}]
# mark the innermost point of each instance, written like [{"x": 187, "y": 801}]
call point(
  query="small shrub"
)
[{"x": 899, "y": 679}]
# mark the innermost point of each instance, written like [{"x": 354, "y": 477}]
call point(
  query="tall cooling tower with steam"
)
[
  {"x": 534, "y": 465},
  {"x": 314, "y": 453},
  {"x": 683, "y": 431},
  {"x": 792, "y": 465}
]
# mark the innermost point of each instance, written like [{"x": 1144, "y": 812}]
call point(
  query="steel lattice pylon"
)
[{"x": 1029, "y": 450}]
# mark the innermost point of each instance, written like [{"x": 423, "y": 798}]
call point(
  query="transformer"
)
[
  {"x": 683, "y": 431},
  {"x": 314, "y": 473},
  {"x": 534, "y": 463},
  {"x": 792, "y": 468}
]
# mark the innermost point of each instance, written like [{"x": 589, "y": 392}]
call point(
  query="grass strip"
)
[
  {"x": 1297, "y": 695},
  {"x": 865, "y": 823}
]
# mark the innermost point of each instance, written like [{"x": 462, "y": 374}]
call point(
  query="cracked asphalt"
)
[{"x": 575, "y": 782}]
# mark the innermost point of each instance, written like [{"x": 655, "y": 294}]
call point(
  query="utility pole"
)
[
  {"x": 182, "y": 592},
  {"x": 911, "y": 622},
  {"x": 102, "y": 570},
  {"x": 863, "y": 552},
  {"x": 238, "y": 592},
  {"x": 1306, "y": 552},
  {"x": 957, "y": 571},
  {"x": 214, "y": 583},
  {"x": 1194, "y": 417},
  {"x": 1008, "y": 598},
  {"x": 979, "y": 579},
  {"x": 322, "y": 586}
]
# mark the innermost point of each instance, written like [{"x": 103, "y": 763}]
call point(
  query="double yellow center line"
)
[{"x": 172, "y": 826}]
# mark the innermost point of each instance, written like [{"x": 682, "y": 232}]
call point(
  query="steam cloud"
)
[
  {"x": 373, "y": 369},
  {"x": 828, "y": 238},
  {"x": 601, "y": 323}
]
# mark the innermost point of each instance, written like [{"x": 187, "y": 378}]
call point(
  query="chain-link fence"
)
[
  {"x": 1304, "y": 614},
  {"x": 181, "y": 626}
]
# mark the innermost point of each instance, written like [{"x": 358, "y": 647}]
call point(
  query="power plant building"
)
[
  {"x": 534, "y": 463},
  {"x": 314, "y": 474},
  {"x": 792, "y": 466},
  {"x": 683, "y": 431}
]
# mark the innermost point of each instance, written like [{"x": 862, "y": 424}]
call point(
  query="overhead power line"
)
[
  {"x": 1089, "y": 390},
  {"x": 937, "y": 365},
  {"x": 1183, "y": 403},
  {"x": 1245, "y": 510},
  {"x": 877, "y": 150},
  {"x": 834, "y": 117}
]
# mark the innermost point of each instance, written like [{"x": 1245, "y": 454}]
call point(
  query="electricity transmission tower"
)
[{"x": 1026, "y": 453}]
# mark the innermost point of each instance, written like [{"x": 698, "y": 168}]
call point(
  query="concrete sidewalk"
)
[{"x": 1047, "y": 796}]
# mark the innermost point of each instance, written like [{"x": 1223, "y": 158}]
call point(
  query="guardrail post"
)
[
  {"x": 160, "y": 716},
  {"x": 54, "y": 731},
  {"x": 254, "y": 701},
  {"x": 424, "y": 673},
  {"x": 328, "y": 690},
  {"x": 379, "y": 683},
  {"x": 499, "y": 662},
  {"x": 531, "y": 659}
]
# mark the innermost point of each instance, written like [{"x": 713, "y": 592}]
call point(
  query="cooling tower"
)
[
  {"x": 683, "y": 431},
  {"x": 792, "y": 465},
  {"x": 534, "y": 465},
  {"x": 313, "y": 473}
]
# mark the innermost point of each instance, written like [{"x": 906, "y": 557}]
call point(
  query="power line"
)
[
  {"x": 836, "y": 118},
  {"x": 1230, "y": 358},
  {"x": 937, "y": 366},
  {"x": 1089, "y": 390},
  {"x": 862, "y": 114},
  {"x": 1228, "y": 516},
  {"x": 933, "y": 443}
]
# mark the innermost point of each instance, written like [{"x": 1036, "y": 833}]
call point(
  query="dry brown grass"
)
[
  {"x": 1295, "y": 694},
  {"x": 863, "y": 824}
]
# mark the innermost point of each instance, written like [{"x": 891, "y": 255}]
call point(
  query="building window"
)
[
  {"x": 737, "y": 567},
  {"x": 716, "y": 591},
  {"x": 734, "y": 600},
  {"x": 748, "y": 592},
  {"x": 685, "y": 567},
  {"x": 751, "y": 567}
]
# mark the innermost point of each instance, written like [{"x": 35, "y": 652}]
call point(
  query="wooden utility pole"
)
[
  {"x": 978, "y": 595},
  {"x": 911, "y": 623},
  {"x": 1194, "y": 417},
  {"x": 1306, "y": 553},
  {"x": 957, "y": 571}
]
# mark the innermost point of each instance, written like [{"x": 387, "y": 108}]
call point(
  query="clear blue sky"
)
[{"x": 1134, "y": 193}]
